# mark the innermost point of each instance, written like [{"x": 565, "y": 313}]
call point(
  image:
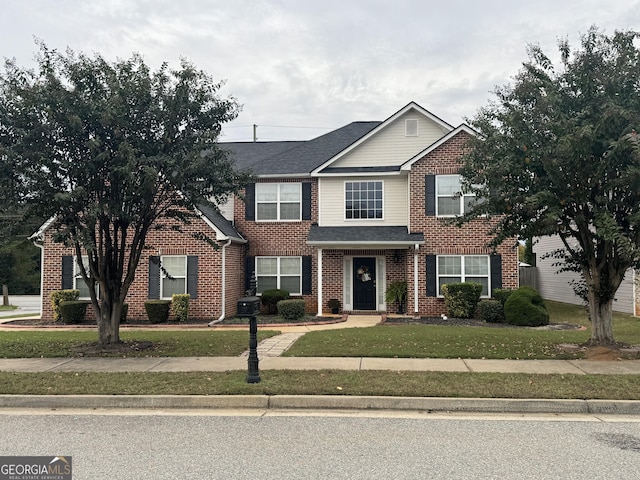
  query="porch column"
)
[{"x": 319, "y": 282}]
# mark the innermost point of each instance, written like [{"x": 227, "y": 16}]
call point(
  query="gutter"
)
[{"x": 224, "y": 284}]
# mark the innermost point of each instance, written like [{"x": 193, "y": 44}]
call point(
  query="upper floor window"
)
[
  {"x": 173, "y": 277},
  {"x": 450, "y": 199},
  {"x": 278, "y": 201},
  {"x": 363, "y": 200}
]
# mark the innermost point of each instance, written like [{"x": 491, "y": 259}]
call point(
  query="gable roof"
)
[
  {"x": 461, "y": 128},
  {"x": 224, "y": 228},
  {"x": 281, "y": 159},
  {"x": 381, "y": 126}
]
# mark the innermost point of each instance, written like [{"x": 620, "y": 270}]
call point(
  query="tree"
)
[
  {"x": 110, "y": 150},
  {"x": 557, "y": 153}
]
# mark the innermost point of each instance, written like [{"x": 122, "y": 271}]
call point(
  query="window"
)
[
  {"x": 449, "y": 197},
  {"x": 78, "y": 281},
  {"x": 363, "y": 200},
  {"x": 278, "y": 201},
  {"x": 279, "y": 272},
  {"x": 411, "y": 127},
  {"x": 463, "y": 268},
  {"x": 173, "y": 275}
]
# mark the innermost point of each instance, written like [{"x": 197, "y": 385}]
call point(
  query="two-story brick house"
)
[{"x": 339, "y": 216}]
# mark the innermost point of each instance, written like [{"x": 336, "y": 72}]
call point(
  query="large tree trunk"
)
[
  {"x": 109, "y": 324},
  {"x": 601, "y": 320}
]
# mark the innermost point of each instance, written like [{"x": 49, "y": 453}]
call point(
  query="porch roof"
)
[{"x": 354, "y": 237}]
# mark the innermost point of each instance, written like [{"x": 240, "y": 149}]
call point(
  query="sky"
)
[{"x": 301, "y": 68}]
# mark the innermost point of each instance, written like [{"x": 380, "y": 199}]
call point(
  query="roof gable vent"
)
[{"x": 411, "y": 127}]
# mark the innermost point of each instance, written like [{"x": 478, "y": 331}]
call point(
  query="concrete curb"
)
[{"x": 328, "y": 402}]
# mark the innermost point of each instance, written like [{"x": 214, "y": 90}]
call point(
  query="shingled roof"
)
[{"x": 295, "y": 158}]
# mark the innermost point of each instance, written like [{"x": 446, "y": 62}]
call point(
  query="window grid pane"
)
[
  {"x": 363, "y": 200},
  {"x": 278, "y": 201},
  {"x": 464, "y": 268}
]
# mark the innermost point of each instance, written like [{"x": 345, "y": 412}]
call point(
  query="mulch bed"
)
[{"x": 470, "y": 322}]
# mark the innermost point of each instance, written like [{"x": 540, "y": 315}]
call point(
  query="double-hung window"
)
[
  {"x": 279, "y": 272},
  {"x": 363, "y": 200},
  {"x": 78, "y": 282},
  {"x": 464, "y": 268},
  {"x": 278, "y": 201},
  {"x": 450, "y": 199},
  {"x": 173, "y": 276}
]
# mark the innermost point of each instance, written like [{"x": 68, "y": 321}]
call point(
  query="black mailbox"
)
[{"x": 248, "y": 306}]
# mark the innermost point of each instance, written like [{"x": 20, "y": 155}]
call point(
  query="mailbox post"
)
[{"x": 249, "y": 307}]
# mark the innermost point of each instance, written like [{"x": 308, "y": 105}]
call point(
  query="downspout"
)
[
  {"x": 38, "y": 243},
  {"x": 415, "y": 280},
  {"x": 224, "y": 284}
]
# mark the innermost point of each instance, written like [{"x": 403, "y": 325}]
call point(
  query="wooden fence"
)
[{"x": 528, "y": 276}]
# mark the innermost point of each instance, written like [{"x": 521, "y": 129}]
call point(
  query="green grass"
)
[
  {"x": 7, "y": 308},
  {"x": 327, "y": 382},
  {"x": 212, "y": 343},
  {"x": 431, "y": 341}
]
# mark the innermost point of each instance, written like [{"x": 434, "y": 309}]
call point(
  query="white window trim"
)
[
  {"x": 77, "y": 276},
  {"x": 344, "y": 199},
  {"x": 279, "y": 275},
  {"x": 163, "y": 275},
  {"x": 461, "y": 197},
  {"x": 462, "y": 275},
  {"x": 278, "y": 202}
]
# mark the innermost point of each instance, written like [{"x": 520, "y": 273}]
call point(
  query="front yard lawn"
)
[{"x": 189, "y": 343}]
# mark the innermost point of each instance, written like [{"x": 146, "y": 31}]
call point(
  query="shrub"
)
[
  {"x": 157, "y": 310},
  {"x": 461, "y": 299},
  {"x": 58, "y": 296},
  {"x": 180, "y": 306},
  {"x": 491, "y": 311},
  {"x": 334, "y": 305},
  {"x": 73, "y": 311},
  {"x": 270, "y": 298},
  {"x": 525, "y": 307},
  {"x": 501, "y": 294},
  {"x": 291, "y": 309},
  {"x": 396, "y": 293}
]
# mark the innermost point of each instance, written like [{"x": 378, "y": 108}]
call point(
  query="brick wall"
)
[
  {"x": 442, "y": 238},
  {"x": 208, "y": 303}
]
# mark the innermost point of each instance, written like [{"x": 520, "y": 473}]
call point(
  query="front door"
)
[{"x": 364, "y": 283}]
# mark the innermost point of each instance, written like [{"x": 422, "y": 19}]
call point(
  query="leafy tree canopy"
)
[
  {"x": 109, "y": 149},
  {"x": 558, "y": 153}
]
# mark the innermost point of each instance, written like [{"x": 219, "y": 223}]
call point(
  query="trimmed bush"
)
[
  {"x": 525, "y": 307},
  {"x": 58, "y": 296},
  {"x": 501, "y": 294},
  {"x": 270, "y": 298},
  {"x": 491, "y": 311},
  {"x": 461, "y": 299},
  {"x": 157, "y": 310},
  {"x": 180, "y": 306},
  {"x": 291, "y": 309},
  {"x": 73, "y": 311}
]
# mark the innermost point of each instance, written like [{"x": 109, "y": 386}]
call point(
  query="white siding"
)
[
  {"x": 332, "y": 206},
  {"x": 391, "y": 146},
  {"x": 557, "y": 286},
  {"x": 226, "y": 209}
]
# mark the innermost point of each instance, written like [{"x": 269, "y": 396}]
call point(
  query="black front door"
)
[{"x": 364, "y": 283}]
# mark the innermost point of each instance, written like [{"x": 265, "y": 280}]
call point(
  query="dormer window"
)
[{"x": 411, "y": 127}]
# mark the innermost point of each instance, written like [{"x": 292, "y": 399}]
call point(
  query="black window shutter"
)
[
  {"x": 306, "y": 201},
  {"x": 154, "y": 277},
  {"x": 249, "y": 268},
  {"x": 431, "y": 276},
  {"x": 67, "y": 272},
  {"x": 496, "y": 271},
  {"x": 250, "y": 202},
  {"x": 306, "y": 275},
  {"x": 192, "y": 276},
  {"x": 430, "y": 195}
]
